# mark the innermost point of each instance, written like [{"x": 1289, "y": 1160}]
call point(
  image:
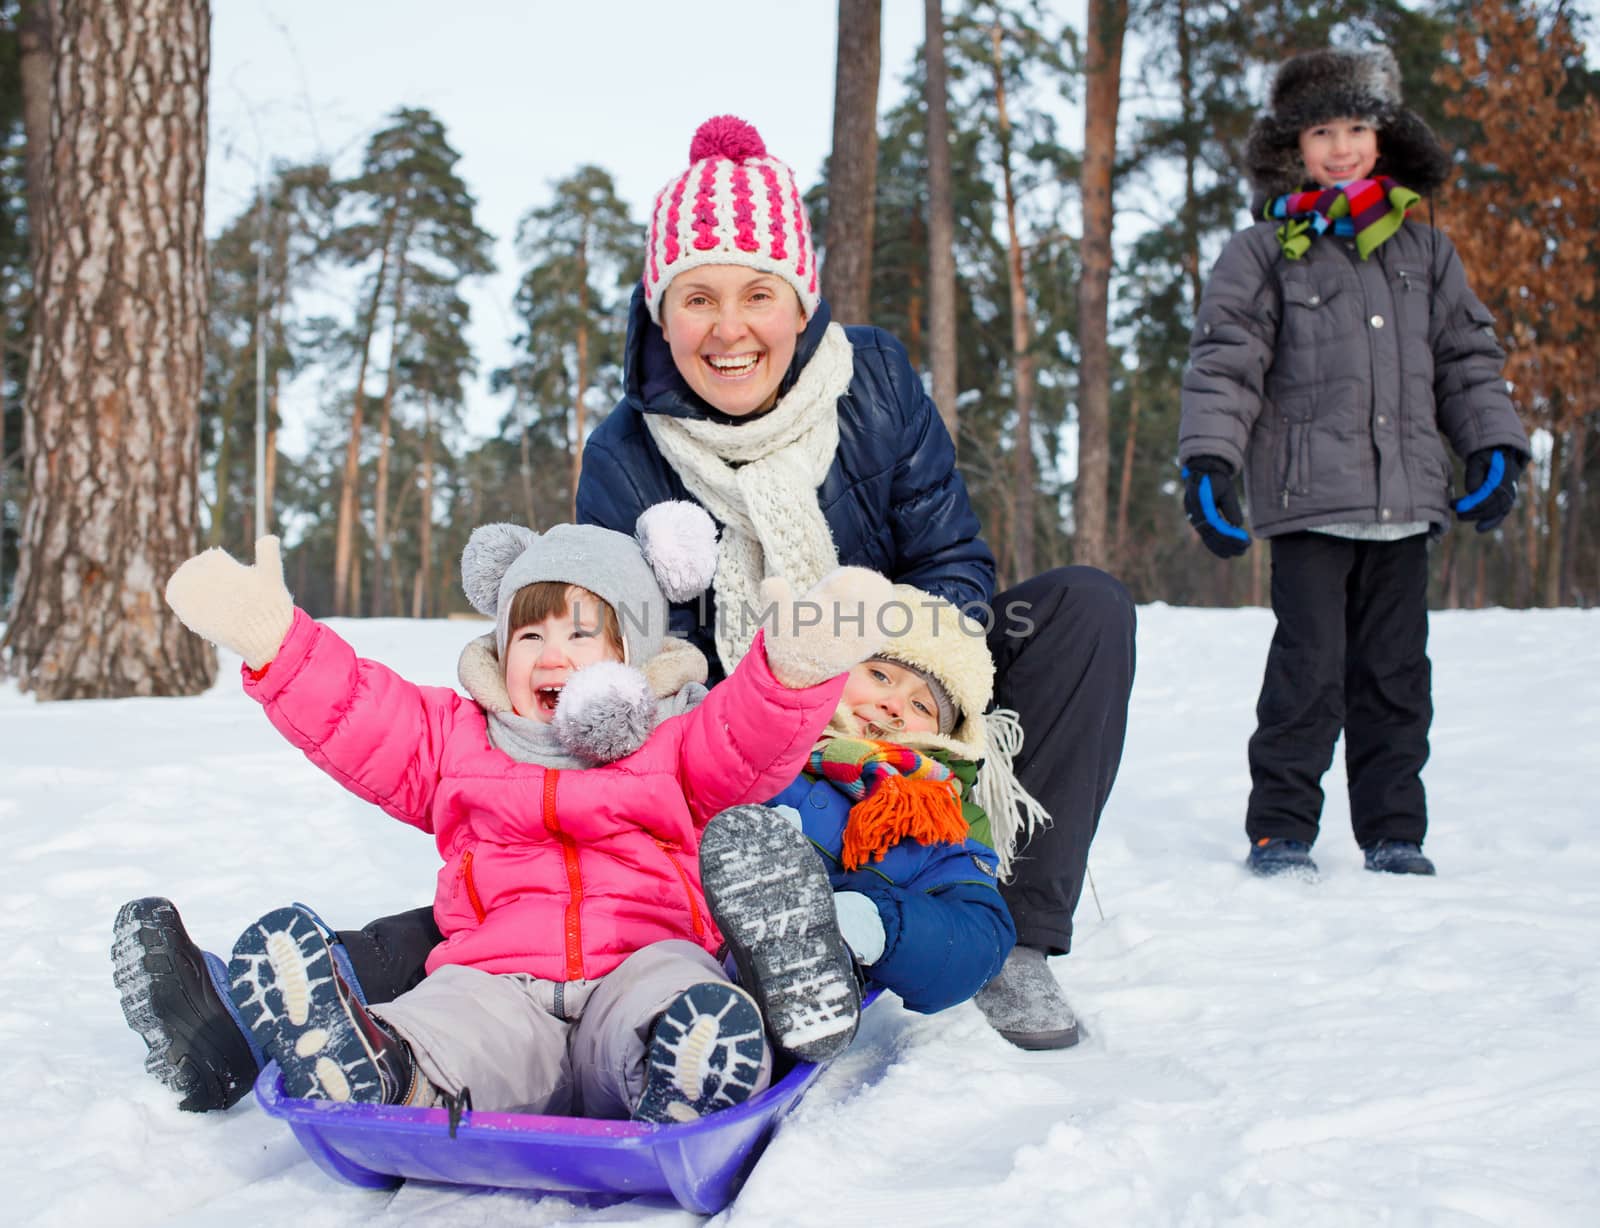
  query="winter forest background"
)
[{"x": 1044, "y": 279}]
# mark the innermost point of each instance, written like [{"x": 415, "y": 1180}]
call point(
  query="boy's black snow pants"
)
[
  {"x": 389, "y": 955},
  {"x": 1349, "y": 652},
  {"x": 1064, "y": 660},
  {"x": 1063, "y": 647}
]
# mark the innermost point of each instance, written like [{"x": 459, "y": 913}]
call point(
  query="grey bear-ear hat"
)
[
  {"x": 1316, "y": 86},
  {"x": 672, "y": 557}
]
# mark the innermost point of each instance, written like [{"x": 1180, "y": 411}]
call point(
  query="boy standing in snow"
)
[
  {"x": 895, "y": 829},
  {"x": 577, "y": 971},
  {"x": 1335, "y": 343}
]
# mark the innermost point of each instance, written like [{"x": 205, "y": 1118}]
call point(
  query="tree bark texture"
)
[
  {"x": 941, "y": 226},
  {"x": 111, "y": 415},
  {"x": 853, "y": 165},
  {"x": 1103, "y": 71}
]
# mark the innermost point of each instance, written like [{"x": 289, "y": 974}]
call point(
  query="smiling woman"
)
[
  {"x": 813, "y": 444},
  {"x": 732, "y": 335}
]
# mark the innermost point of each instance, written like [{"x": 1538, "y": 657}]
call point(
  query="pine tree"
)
[
  {"x": 257, "y": 265},
  {"x": 415, "y": 217},
  {"x": 584, "y": 254}
]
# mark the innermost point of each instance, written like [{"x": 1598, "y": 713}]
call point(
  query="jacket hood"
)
[
  {"x": 651, "y": 380},
  {"x": 1333, "y": 84}
]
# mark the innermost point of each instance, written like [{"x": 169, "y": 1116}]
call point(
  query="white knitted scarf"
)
[{"x": 759, "y": 479}]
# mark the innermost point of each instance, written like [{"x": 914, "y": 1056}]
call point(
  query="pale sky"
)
[{"x": 528, "y": 92}]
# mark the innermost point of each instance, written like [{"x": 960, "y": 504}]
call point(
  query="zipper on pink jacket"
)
[
  {"x": 472, "y": 887},
  {"x": 669, "y": 848},
  {"x": 569, "y": 852}
]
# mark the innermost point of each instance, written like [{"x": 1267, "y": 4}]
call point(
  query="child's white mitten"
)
[
  {"x": 860, "y": 925},
  {"x": 245, "y": 609},
  {"x": 835, "y": 625}
]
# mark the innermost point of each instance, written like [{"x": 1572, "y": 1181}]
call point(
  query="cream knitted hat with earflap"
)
[{"x": 933, "y": 637}]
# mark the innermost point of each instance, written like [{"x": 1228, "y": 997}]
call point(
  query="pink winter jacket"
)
[{"x": 560, "y": 874}]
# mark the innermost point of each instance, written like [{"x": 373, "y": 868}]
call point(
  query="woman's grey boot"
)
[{"x": 1024, "y": 1003}]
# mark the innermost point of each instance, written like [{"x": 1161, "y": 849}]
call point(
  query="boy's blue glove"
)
[
  {"x": 860, "y": 925},
  {"x": 1213, "y": 508},
  {"x": 1491, "y": 487}
]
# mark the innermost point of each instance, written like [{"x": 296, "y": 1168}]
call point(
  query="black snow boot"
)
[
  {"x": 173, "y": 996},
  {"x": 773, "y": 903},
  {"x": 1274, "y": 855},
  {"x": 1398, "y": 857},
  {"x": 306, "y": 1017},
  {"x": 705, "y": 1054}
]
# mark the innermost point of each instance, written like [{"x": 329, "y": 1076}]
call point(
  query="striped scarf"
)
[
  {"x": 1369, "y": 209},
  {"x": 897, "y": 792}
]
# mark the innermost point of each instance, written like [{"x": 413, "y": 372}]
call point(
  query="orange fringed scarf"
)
[{"x": 899, "y": 794}]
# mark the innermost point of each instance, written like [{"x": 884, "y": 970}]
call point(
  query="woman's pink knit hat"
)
[{"x": 734, "y": 205}]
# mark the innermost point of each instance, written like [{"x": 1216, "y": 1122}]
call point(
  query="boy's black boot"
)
[
  {"x": 305, "y": 1016},
  {"x": 706, "y": 1053},
  {"x": 1272, "y": 855},
  {"x": 772, "y": 901},
  {"x": 172, "y": 998},
  {"x": 1398, "y": 857}
]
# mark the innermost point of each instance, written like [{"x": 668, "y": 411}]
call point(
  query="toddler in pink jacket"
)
[{"x": 567, "y": 796}]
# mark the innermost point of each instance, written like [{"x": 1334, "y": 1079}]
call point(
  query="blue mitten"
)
[
  {"x": 860, "y": 925},
  {"x": 1213, "y": 508},
  {"x": 1491, "y": 487}
]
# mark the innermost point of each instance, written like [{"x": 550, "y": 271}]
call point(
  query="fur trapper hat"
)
[
  {"x": 671, "y": 557},
  {"x": 1317, "y": 86}
]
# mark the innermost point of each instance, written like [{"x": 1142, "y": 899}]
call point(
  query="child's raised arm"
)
[
  {"x": 754, "y": 732},
  {"x": 246, "y": 609},
  {"x": 357, "y": 720}
]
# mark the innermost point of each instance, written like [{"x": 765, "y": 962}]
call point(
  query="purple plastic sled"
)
[{"x": 700, "y": 1164}]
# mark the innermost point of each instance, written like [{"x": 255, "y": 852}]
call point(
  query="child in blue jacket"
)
[{"x": 889, "y": 849}]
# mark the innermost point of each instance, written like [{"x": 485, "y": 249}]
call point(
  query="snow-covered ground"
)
[{"x": 1365, "y": 1050}]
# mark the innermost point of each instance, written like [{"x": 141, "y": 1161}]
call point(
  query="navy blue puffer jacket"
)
[{"x": 892, "y": 499}]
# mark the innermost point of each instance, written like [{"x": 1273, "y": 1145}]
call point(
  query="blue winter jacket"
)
[
  {"x": 946, "y": 929},
  {"x": 892, "y": 499}
]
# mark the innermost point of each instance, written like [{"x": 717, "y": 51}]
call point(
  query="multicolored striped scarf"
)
[
  {"x": 1370, "y": 209},
  {"x": 898, "y": 793}
]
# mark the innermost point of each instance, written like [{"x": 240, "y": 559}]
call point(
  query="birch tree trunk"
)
[{"x": 111, "y": 414}]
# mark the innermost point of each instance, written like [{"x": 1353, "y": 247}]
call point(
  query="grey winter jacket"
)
[{"x": 1328, "y": 380}]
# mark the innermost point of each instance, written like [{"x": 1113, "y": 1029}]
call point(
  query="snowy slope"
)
[{"x": 1367, "y": 1050}]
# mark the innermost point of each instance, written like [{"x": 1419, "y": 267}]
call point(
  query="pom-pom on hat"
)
[
  {"x": 736, "y": 204},
  {"x": 1316, "y": 86},
  {"x": 673, "y": 557}
]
